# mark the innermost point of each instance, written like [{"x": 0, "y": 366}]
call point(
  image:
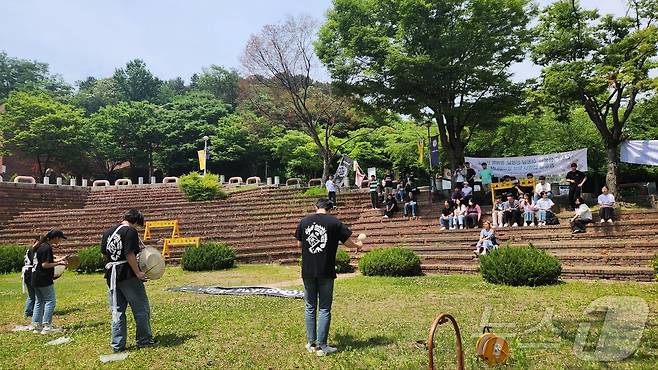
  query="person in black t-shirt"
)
[
  {"x": 318, "y": 235},
  {"x": 43, "y": 273},
  {"x": 120, "y": 245},
  {"x": 470, "y": 174},
  {"x": 576, "y": 180}
]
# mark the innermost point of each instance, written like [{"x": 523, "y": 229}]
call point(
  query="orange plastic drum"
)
[{"x": 492, "y": 349}]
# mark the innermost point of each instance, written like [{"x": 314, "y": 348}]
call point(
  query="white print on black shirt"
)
[
  {"x": 316, "y": 237},
  {"x": 114, "y": 246}
]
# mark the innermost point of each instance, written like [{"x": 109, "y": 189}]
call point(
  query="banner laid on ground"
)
[
  {"x": 640, "y": 152},
  {"x": 242, "y": 290},
  {"x": 555, "y": 164}
]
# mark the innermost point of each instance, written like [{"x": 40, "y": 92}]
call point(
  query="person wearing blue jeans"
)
[
  {"x": 26, "y": 275},
  {"x": 131, "y": 292},
  {"x": 120, "y": 246},
  {"x": 318, "y": 235},
  {"x": 42, "y": 280}
]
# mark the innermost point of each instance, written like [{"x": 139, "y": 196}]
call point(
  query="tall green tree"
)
[
  {"x": 93, "y": 94},
  {"x": 601, "y": 63},
  {"x": 220, "y": 82},
  {"x": 38, "y": 125},
  {"x": 443, "y": 59},
  {"x": 183, "y": 123},
  {"x": 134, "y": 136},
  {"x": 136, "y": 83},
  {"x": 20, "y": 74}
]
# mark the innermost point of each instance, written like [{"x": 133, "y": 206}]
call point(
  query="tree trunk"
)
[
  {"x": 326, "y": 165},
  {"x": 612, "y": 154}
]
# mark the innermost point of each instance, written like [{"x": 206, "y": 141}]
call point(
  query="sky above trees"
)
[{"x": 80, "y": 38}]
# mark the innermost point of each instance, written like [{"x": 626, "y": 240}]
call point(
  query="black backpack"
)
[{"x": 551, "y": 219}]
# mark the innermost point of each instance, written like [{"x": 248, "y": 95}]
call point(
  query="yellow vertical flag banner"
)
[
  {"x": 202, "y": 159},
  {"x": 421, "y": 150}
]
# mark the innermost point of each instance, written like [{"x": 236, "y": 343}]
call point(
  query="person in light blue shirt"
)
[{"x": 487, "y": 239}]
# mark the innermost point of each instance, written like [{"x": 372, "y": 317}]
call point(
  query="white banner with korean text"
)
[
  {"x": 640, "y": 152},
  {"x": 555, "y": 164}
]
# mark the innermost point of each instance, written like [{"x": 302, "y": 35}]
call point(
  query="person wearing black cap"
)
[
  {"x": 43, "y": 273},
  {"x": 120, "y": 246},
  {"x": 318, "y": 235}
]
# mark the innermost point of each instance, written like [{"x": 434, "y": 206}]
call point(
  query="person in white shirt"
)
[
  {"x": 543, "y": 206},
  {"x": 582, "y": 217},
  {"x": 458, "y": 215},
  {"x": 497, "y": 213},
  {"x": 459, "y": 175},
  {"x": 468, "y": 192},
  {"x": 331, "y": 189},
  {"x": 542, "y": 186},
  {"x": 607, "y": 204}
]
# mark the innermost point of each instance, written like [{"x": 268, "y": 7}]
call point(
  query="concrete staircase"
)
[{"x": 260, "y": 226}]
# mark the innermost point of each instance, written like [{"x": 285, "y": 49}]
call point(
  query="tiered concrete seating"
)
[
  {"x": 260, "y": 225},
  {"x": 17, "y": 197}
]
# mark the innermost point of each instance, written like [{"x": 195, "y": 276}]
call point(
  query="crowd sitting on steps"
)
[{"x": 519, "y": 206}]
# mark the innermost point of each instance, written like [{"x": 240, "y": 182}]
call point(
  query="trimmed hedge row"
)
[
  {"x": 396, "y": 261},
  {"x": 11, "y": 258},
  {"x": 208, "y": 257},
  {"x": 201, "y": 188},
  {"x": 520, "y": 266}
]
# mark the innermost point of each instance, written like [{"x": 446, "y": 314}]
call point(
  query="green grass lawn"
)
[{"x": 376, "y": 323}]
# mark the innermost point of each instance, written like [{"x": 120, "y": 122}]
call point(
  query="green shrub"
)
[
  {"x": 200, "y": 188},
  {"x": 520, "y": 266},
  {"x": 315, "y": 192},
  {"x": 395, "y": 261},
  {"x": 343, "y": 262},
  {"x": 11, "y": 258},
  {"x": 91, "y": 260},
  {"x": 208, "y": 257}
]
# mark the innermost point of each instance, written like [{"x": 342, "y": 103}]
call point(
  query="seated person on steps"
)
[
  {"x": 487, "y": 240},
  {"x": 458, "y": 215},
  {"x": 467, "y": 190},
  {"x": 607, "y": 204},
  {"x": 410, "y": 205},
  {"x": 446, "y": 220},
  {"x": 542, "y": 186},
  {"x": 543, "y": 207},
  {"x": 528, "y": 211},
  {"x": 497, "y": 212},
  {"x": 473, "y": 214},
  {"x": 511, "y": 211},
  {"x": 582, "y": 217},
  {"x": 457, "y": 194},
  {"x": 391, "y": 206}
]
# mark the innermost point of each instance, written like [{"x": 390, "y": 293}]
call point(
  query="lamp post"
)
[{"x": 205, "y": 153}]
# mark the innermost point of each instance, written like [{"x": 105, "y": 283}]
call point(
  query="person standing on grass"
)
[
  {"x": 43, "y": 274},
  {"x": 607, "y": 204},
  {"x": 576, "y": 180},
  {"x": 331, "y": 189},
  {"x": 318, "y": 235},
  {"x": 120, "y": 246},
  {"x": 374, "y": 196}
]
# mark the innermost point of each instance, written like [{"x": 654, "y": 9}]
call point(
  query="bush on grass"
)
[
  {"x": 199, "y": 188},
  {"x": 343, "y": 262},
  {"x": 91, "y": 260},
  {"x": 11, "y": 258},
  {"x": 396, "y": 261},
  {"x": 522, "y": 266},
  {"x": 208, "y": 257}
]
